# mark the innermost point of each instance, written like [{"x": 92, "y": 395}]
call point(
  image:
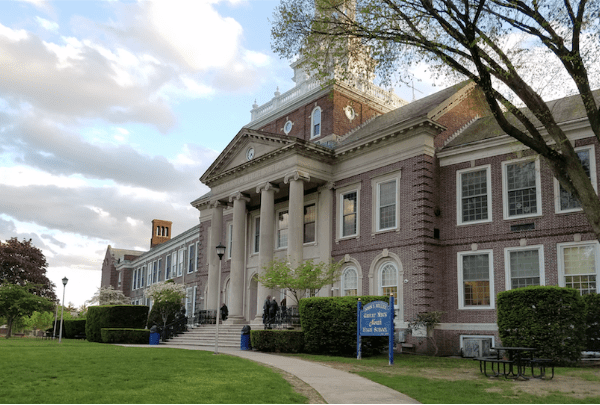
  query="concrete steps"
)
[{"x": 204, "y": 335}]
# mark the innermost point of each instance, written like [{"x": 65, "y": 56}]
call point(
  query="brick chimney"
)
[{"x": 161, "y": 232}]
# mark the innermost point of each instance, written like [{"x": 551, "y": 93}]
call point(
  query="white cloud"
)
[{"x": 47, "y": 24}]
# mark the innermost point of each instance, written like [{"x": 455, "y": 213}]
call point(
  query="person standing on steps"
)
[
  {"x": 266, "y": 308},
  {"x": 272, "y": 312},
  {"x": 224, "y": 312}
]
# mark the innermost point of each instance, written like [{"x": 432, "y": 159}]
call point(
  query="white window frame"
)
[
  {"x": 255, "y": 233},
  {"x": 459, "y": 197},
  {"x": 561, "y": 260},
  {"x": 538, "y": 188},
  {"x": 173, "y": 265},
  {"x": 148, "y": 274},
  {"x": 593, "y": 179},
  {"x": 133, "y": 279},
  {"x": 507, "y": 269},
  {"x": 277, "y": 228},
  {"x": 380, "y": 280},
  {"x": 155, "y": 272},
  {"x": 191, "y": 256},
  {"x": 343, "y": 280},
  {"x": 180, "y": 261},
  {"x": 312, "y": 123},
  {"x": 229, "y": 240},
  {"x": 306, "y": 204},
  {"x": 340, "y": 193},
  {"x": 167, "y": 266},
  {"x": 461, "y": 292},
  {"x": 160, "y": 264},
  {"x": 376, "y": 182}
]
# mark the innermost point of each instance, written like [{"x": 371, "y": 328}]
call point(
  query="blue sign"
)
[{"x": 375, "y": 319}]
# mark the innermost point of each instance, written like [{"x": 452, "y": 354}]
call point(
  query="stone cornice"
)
[
  {"x": 296, "y": 175},
  {"x": 268, "y": 186},
  {"x": 238, "y": 195}
]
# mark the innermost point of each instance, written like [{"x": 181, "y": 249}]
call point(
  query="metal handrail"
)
[{"x": 173, "y": 329}]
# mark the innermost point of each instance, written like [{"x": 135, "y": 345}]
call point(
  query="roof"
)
[
  {"x": 418, "y": 109},
  {"x": 564, "y": 109}
]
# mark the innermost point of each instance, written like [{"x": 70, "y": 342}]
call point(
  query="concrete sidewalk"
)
[{"x": 335, "y": 386}]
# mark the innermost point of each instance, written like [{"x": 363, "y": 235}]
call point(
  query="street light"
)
[
  {"x": 64, "y": 281},
  {"x": 220, "y": 252}
]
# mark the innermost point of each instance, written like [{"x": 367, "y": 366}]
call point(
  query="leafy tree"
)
[
  {"x": 307, "y": 276},
  {"x": 39, "y": 320},
  {"x": 511, "y": 49},
  {"x": 22, "y": 263},
  {"x": 167, "y": 300},
  {"x": 108, "y": 296},
  {"x": 17, "y": 301}
]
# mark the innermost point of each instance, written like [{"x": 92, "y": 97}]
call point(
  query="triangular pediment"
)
[{"x": 247, "y": 147}]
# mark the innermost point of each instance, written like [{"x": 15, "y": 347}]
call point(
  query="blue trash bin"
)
[
  {"x": 154, "y": 338},
  {"x": 245, "y": 340}
]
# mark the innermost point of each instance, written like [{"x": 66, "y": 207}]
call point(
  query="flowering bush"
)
[{"x": 167, "y": 300}]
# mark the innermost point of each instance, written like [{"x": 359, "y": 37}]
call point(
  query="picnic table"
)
[{"x": 519, "y": 358}]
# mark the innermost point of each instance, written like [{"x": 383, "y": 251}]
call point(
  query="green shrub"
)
[
  {"x": 549, "y": 318},
  {"x": 284, "y": 341},
  {"x": 74, "y": 327},
  {"x": 592, "y": 330},
  {"x": 125, "y": 335},
  {"x": 329, "y": 326},
  {"x": 114, "y": 316},
  {"x": 174, "y": 311}
]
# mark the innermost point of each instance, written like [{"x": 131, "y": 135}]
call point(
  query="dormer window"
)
[{"x": 315, "y": 127}]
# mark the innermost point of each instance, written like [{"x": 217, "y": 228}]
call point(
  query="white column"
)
[
  {"x": 216, "y": 237},
  {"x": 296, "y": 216},
  {"x": 238, "y": 241},
  {"x": 325, "y": 217},
  {"x": 267, "y": 240}
]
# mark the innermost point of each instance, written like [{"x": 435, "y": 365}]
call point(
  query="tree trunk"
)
[{"x": 9, "y": 322}]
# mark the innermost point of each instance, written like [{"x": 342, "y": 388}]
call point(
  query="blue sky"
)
[{"x": 111, "y": 111}]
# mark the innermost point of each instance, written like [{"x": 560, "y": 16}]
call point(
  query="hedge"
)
[
  {"x": 283, "y": 341},
  {"x": 549, "y": 318},
  {"x": 125, "y": 335},
  {"x": 114, "y": 316},
  {"x": 329, "y": 326},
  {"x": 74, "y": 327},
  {"x": 592, "y": 313}
]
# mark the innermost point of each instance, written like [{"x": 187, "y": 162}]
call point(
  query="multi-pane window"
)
[
  {"x": 316, "y": 123},
  {"x": 524, "y": 267},
  {"x": 174, "y": 265},
  {"x": 168, "y": 268},
  {"x": 522, "y": 189},
  {"x": 386, "y": 210},
  {"x": 350, "y": 282},
  {"x": 160, "y": 262},
  {"x": 282, "y": 228},
  {"x": 475, "y": 277},
  {"x": 256, "y": 234},
  {"x": 566, "y": 201},
  {"x": 389, "y": 279},
  {"x": 349, "y": 213},
  {"x": 154, "y": 273},
  {"x": 579, "y": 265},
  {"x": 149, "y": 275},
  {"x": 191, "y": 259},
  {"x": 134, "y": 280},
  {"x": 310, "y": 217},
  {"x": 180, "y": 262},
  {"x": 474, "y": 195}
]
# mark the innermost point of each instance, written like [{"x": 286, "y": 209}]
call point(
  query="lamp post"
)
[
  {"x": 62, "y": 309},
  {"x": 220, "y": 252},
  {"x": 55, "y": 319}
]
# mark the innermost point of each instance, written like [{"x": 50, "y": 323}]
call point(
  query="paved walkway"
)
[{"x": 335, "y": 386}]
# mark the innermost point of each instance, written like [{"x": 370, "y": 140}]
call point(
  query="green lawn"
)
[
  {"x": 44, "y": 371},
  {"x": 435, "y": 380}
]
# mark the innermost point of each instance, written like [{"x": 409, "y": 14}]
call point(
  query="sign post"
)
[{"x": 375, "y": 319}]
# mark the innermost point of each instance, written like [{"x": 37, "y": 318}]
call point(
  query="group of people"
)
[{"x": 270, "y": 309}]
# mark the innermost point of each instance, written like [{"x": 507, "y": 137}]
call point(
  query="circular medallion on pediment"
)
[
  {"x": 250, "y": 153},
  {"x": 288, "y": 127}
]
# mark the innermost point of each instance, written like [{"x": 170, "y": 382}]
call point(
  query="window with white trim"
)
[
  {"x": 160, "y": 266},
  {"x": 388, "y": 279},
  {"x": 474, "y": 200},
  {"x": 578, "y": 266},
  {"x": 522, "y": 194},
  {"x": 180, "y": 262},
  {"x": 282, "y": 228},
  {"x": 310, "y": 218},
  {"x": 149, "y": 275},
  {"x": 168, "y": 267},
  {"x": 565, "y": 202},
  {"x": 349, "y": 213},
  {"x": 154, "y": 272},
  {"x": 133, "y": 279},
  {"x": 349, "y": 282},
  {"x": 386, "y": 205},
  {"x": 475, "y": 278},
  {"x": 120, "y": 279},
  {"x": 174, "y": 265},
  {"x": 524, "y": 266},
  {"x": 191, "y": 258},
  {"x": 256, "y": 237},
  {"x": 315, "y": 125}
]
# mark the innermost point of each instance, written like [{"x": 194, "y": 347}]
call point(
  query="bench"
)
[
  {"x": 541, "y": 364},
  {"x": 494, "y": 360}
]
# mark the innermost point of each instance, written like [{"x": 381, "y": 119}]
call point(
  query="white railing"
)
[{"x": 369, "y": 89}]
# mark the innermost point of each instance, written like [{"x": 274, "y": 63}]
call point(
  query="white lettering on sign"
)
[
  {"x": 381, "y": 305},
  {"x": 374, "y": 322},
  {"x": 384, "y": 330},
  {"x": 367, "y": 330},
  {"x": 369, "y": 315},
  {"x": 382, "y": 314}
]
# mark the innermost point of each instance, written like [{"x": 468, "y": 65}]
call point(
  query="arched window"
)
[
  {"x": 158, "y": 231},
  {"x": 315, "y": 127},
  {"x": 349, "y": 282},
  {"x": 388, "y": 279}
]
